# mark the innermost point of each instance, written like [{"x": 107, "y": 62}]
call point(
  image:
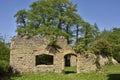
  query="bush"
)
[
  {"x": 102, "y": 46},
  {"x": 4, "y": 57}
]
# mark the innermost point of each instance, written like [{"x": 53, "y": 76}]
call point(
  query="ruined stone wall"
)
[
  {"x": 103, "y": 60},
  {"x": 73, "y": 60},
  {"x": 86, "y": 63},
  {"x": 21, "y": 57},
  {"x": 44, "y": 68},
  {"x": 24, "y": 50}
]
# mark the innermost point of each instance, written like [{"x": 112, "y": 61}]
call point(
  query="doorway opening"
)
[{"x": 70, "y": 63}]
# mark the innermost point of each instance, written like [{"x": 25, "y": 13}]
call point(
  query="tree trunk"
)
[
  {"x": 77, "y": 30},
  {"x": 59, "y": 24},
  {"x": 67, "y": 31}
]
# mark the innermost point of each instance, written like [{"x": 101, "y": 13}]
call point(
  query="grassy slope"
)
[{"x": 109, "y": 73}]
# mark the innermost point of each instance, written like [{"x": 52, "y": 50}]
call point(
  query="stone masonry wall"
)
[
  {"x": 86, "y": 63},
  {"x": 73, "y": 60},
  {"x": 24, "y": 51}
]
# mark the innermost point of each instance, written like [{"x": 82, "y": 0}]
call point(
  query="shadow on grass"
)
[
  {"x": 8, "y": 76},
  {"x": 69, "y": 72},
  {"x": 114, "y": 77}
]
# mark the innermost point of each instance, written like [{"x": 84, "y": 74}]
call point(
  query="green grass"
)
[
  {"x": 72, "y": 69},
  {"x": 110, "y": 72}
]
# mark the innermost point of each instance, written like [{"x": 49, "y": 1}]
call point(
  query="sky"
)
[{"x": 106, "y": 13}]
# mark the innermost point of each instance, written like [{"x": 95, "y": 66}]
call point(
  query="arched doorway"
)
[{"x": 70, "y": 63}]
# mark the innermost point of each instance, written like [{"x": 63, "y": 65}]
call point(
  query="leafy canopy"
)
[{"x": 47, "y": 17}]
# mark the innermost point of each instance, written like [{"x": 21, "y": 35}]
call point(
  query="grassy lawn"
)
[
  {"x": 69, "y": 70},
  {"x": 110, "y": 72}
]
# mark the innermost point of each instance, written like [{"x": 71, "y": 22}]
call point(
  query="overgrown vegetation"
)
[
  {"x": 114, "y": 40},
  {"x": 4, "y": 56},
  {"x": 47, "y": 17}
]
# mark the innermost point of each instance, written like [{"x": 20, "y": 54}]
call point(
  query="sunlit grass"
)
[
  {"x": 102, "y": 75},
  {"x": 72, "y": 69}
]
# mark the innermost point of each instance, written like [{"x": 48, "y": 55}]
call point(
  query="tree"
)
[
  {"x": 114, "y": 39},
  {"x": 47, "y": 15},
  {"x": 88, "y": 34},
  {"x": 86, "y": 31},
  {"x": 21, "y": 20},
  {"x": 95, "y": 31},
  {"x": 4, "y": 56},
  {"x": 78, "y": 22},
  {"x": 104, "y": 34},
  {"x": 102, "y": 46}
]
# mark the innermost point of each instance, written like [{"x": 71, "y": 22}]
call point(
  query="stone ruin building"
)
[{"x": 31, "y": 55}]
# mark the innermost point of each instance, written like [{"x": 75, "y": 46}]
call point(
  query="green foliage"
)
[
  {"x": 114, "y": 39},
  {"x": 98, "y": 64},
  {"x": 21, "y": 16},
  {"x": 101, "y": 46},
  {"x": 95, "y": 31},
  {"x": 59, "y": 18},
  {"x": 51, "y": 31},
  {"x": 48, "y": 17},
  {"x": 4, "y": 57},
  {"x": 21, "y": 20},
  {"x": 86, "y": 31},
  {"x": 104, "y": 34},
  {"x": 88, "y": 34},
  {"x": 79, "y": 47}
]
